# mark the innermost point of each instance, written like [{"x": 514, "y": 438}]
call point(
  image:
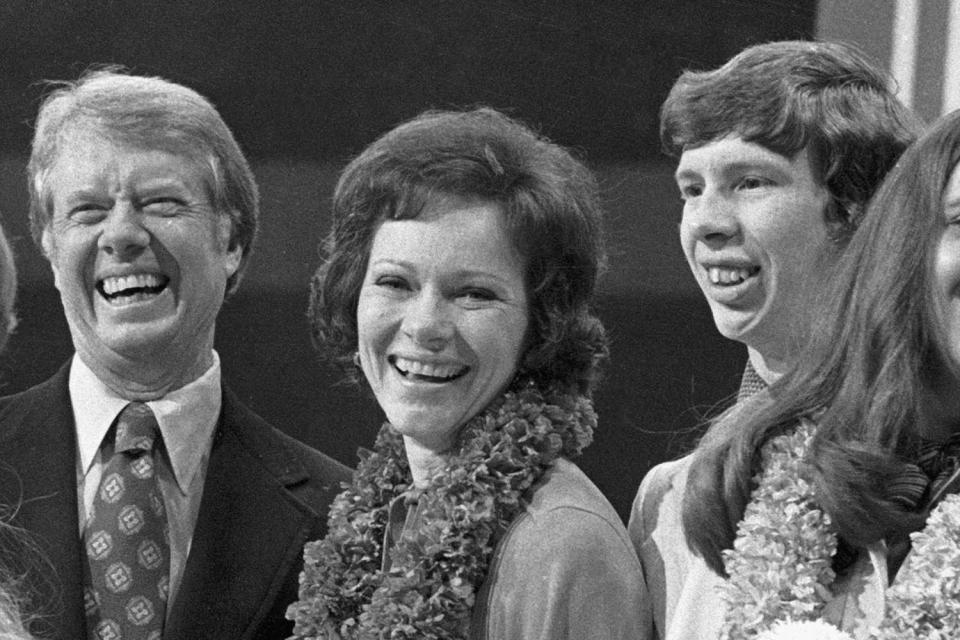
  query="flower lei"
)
[
  {"x": 430, "y": 589},
  {"x": 780, "y": 565}
]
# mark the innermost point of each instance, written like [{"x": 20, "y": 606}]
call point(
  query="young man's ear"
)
[{"x": 843, "y": 218}]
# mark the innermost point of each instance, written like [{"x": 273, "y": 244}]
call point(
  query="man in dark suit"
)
[{"x": 166, "y": 507}]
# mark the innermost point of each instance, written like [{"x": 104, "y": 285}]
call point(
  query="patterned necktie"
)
[{"x": 126, "y": 537}]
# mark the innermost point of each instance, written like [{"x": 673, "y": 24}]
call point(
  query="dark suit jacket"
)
[{"x": 264, "y": 496}]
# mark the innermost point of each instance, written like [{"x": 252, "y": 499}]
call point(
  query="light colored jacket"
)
[{"x": 684, "y": 591}]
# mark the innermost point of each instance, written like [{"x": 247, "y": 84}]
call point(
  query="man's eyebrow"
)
[
  {"x": 82, "y": 194},
  {"x": 737, "y": 166}
]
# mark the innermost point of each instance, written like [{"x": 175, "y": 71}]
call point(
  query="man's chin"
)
[
  {"x": 148, "y": 342},
  {"x": 749, "y": 327}
]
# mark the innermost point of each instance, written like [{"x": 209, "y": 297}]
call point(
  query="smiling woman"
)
[
  {"x": 441, "y": 319},
  {"x": 459, "y": 276}
]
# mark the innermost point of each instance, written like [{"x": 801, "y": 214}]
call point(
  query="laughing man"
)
[{"x": 167, "y": 507}]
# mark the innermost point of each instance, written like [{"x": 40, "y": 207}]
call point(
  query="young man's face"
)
[{"x": 756, "y": 238}]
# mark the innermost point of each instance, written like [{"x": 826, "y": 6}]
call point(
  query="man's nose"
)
[
  {"x": 124, "y": 235},
  {"x": 711, "y": 218}
]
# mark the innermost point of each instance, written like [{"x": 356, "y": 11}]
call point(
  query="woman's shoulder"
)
[
  {"x": 565, "y": 568},
  {"x": 565, "y": 510},
  {"x": 566, "y": 486}
]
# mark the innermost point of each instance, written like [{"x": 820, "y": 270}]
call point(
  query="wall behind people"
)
[
  {"x": 917, "y": 40},
  {"x": 306, "y": 85}
]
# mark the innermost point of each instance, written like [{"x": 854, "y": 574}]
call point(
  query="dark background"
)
[{"x": 305, "y": 85}]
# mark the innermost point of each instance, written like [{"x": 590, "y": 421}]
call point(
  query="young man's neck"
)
[{"x": 770, "y": 369}]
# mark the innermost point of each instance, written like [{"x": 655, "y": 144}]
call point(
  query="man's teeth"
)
[
  {"x": 117, "y": 284},
  {"x": 723, "y": 275},
  {"x": 428, "y": 370}
]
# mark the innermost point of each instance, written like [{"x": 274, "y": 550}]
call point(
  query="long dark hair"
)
[{"x": 877, "y": 352}]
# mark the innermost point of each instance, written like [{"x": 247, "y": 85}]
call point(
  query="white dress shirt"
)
[{"x": 187, "y": 418}]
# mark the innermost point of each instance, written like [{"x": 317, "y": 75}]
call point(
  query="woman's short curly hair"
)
[{"x": 552, "y": 206}]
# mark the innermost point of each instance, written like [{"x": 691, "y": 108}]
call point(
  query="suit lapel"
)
[
  {"x": 38, "y": 445},
  {"x": 249, "y": 535}
]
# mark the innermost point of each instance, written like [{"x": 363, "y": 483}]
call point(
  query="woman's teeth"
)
[{"x": 429, "y": 371}]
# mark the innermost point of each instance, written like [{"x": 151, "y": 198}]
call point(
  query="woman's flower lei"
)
[
  {"x": 924, "y": 602},
  {"x": 430, "y": 588},
  {"x": 780, "y": 565}
]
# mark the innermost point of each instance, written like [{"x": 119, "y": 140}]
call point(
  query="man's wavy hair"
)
[
  {"x": 146, "y": 113},
  {"x": 787, "y": 96},
  {"x": 551, "y": 204}
]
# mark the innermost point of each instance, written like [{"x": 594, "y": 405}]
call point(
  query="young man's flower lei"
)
[
  {"x": 430, "y": 588},
  {"x": 780, "y": 566}
]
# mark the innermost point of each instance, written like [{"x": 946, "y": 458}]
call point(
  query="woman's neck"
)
[{"x": 424, "y": 461}]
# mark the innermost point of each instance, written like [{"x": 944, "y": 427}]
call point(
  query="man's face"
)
[
  {"x": 139, "y": 257},
  {"x": 756, "y": 238}
]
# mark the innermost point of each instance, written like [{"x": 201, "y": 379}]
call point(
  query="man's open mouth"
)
[
  {"x": 730, "y": 276},
  {"x": 132, "y": 288}
]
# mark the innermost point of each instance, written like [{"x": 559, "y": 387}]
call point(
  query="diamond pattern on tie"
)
[{"x": 128, "y": 554}]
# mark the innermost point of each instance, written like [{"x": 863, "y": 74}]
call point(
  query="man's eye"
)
[
  {"x": 753, "y": 182},
  {"x": 87, "y": 212},
  {"x": 162, "y": 206},
  {"x": 690, "y": 191}
]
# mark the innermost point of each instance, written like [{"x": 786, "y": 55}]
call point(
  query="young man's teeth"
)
[
  {"x": 137, "y": 281},
  {"x": 414, "y": 367},
  {"x": 122, "y": 300},
  {"x": 721, "y": 275}
]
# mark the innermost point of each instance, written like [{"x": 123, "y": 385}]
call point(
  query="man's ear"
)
[
  {"x": 843, "y": 218},
  {"x": 233, "y": 252},
  {"x": 49, "y": 252},
  {"x": 232, "y": 259}
]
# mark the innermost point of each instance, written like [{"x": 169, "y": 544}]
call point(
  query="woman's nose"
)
[
  {"x": 711, "y": 218},
  {"x": 124, "y": 235},
  {"x": 429, "y": 320}
]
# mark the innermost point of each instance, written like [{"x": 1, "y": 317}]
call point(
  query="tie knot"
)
[{"x": 137, "y": 428}]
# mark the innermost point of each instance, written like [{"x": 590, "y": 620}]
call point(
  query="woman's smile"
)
[
  {"x": 421, "y": 371},
  {"x": 442, "y": 318}
]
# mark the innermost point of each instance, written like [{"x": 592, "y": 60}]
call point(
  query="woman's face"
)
[
  {"x": 946, "y": 269},
  {"x": 442, "y": 318}
]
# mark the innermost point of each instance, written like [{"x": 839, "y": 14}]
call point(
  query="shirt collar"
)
[{"x": 187, "y": 417}]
